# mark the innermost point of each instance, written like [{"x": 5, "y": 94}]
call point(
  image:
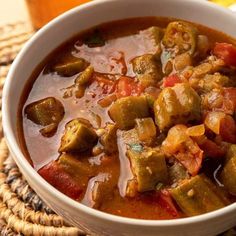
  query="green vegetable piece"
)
[
  {"x": 70, "y": 66},
  {"x": 85, "y": 77},
  {"x": 147, "y": 70},
  {"x": 79, "y": 91},
  {"x": 75, "y": 167},
  {"x": 109, "y": 139},
  {"x": 231, "y": 152},
  {"x": 198, "y": 195},
  {"x": 215, "y": 81},
  {"x": 149, "y": 168},
  {"x": 45, "y": 112},
  {"x": 177, "y": 172},
  {"x": 136, "y": 147},
  {"x": 156, "y": 33},
  {"x": 95, "y": 39},
  {"x": 182, "y": 36},
  {"x": 49, "y": 130},
  {"x": 177, "y": 105},
  {"x": 102, "y": 187},
  {"x": 78, "y": 137},
  {"x": 166, "y": 108},
  {"x": 125, "y": 110},
  {"x": 150, "y": 100},
  {"x": 82, "y": 81},
  {"x": 182, "y": 61},
  {"x": 130, "y": 137},
  {"x": 228, "y": 175},
  {"x": 146, "y": 130}
]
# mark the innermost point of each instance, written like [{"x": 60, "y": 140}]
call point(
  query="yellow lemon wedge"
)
[{"x": 225, "y": 3}]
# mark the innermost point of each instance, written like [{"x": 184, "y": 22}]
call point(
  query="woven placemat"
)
[{"x": 22, "y": 212}]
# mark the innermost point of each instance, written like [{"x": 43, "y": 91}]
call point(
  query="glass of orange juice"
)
[{"x": 42, "y": 11}]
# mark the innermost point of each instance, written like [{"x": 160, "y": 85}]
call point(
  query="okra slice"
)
[
  {"x": 231, "y": 152},
  {"x": 79, "y": 91},
  {"x": 49, "y": 130},
  {"x": 198, "y": 195},
  {"x": 147, "y": 70},
  {"x": 109, "y": 139},
  {"x": 155, "y": 33},
  {"x": 75, "y": 167},
  {"x": 125, "y": 110},
  {"x": 102, "y": 186},
  {"x": 45, "y": 112},
  {"x": 189, "y": 100},
  {"x": 182, "y": 36},
  {"x": 78, "y": 137},
  {"x": 182, "y": 61},
  {"x": 177, "y": 105},
  {"x": 85, "y": 77},
  {"x": 166, "y": 108},
  {"x": 177, "y": 172},
  {"x": 70, "y": 66},
  {"x": 148, "y": 167},
  {"x": 146, "y": 130},
  {"x": 210, "y": 82},
  {"x": 228, "y": 175}
]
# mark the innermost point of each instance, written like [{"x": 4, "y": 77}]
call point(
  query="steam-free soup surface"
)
[{"x": 136, "y": 118}]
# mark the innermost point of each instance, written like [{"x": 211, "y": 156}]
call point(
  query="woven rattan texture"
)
[{"x": 22, "y": 212}]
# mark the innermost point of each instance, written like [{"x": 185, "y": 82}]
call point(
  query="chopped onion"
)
[
  {"x": 213, "y": 120},
  {"x": 176, "y": 136},
  {"x": 195, "y": 131}
]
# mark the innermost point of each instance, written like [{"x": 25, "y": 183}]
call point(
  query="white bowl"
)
[{"x": 49, "y": 38}]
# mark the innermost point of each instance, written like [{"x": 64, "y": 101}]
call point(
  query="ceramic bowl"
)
[{"x": 50, "y": 37}]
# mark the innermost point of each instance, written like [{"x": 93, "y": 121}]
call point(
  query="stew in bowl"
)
[{"x": 136, "y": 118}]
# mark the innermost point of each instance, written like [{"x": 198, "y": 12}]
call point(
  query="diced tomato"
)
[
  {"x": 227, "y": 52},
  {"x": 211, "y": 149},
  {"x": 171, "y": 80},
  {"x": 166, "y": 202},
  {"x": 58, "y": 178},
  {"x": 108, "y": 86},
  {"x": 190, "y": 156},
  {"x": 228, "y": 129},
  {"x": 224, "y": 100},
  {"x": 183, "y": 148},
  {"x": 126, "y": 86},
  {"x": 229, "y": 103}
]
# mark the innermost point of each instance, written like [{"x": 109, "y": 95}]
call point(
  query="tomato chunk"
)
[
  {"x": 183, "y": 148},
  {"x": 166, "y": 202},
  {"x": 126, "y": 86},
  {"x": 163, "y": 200},
  {"x": 58, "y": 178},
  {"x": 228, "y": 129},
  {"x": 107, "y": 85},
  {"x": 171, "y": 80},
  {"x": 211, "y": 149},
  {"x": 227, "y": 52},
  {"x": 229, "y": 104}
]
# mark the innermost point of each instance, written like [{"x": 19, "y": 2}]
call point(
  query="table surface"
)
[{"x": 12, "y": 11}]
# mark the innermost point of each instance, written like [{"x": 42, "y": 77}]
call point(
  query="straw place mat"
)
[{"x": 22, "y": 212}]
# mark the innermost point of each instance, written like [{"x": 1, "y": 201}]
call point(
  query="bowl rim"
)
[{"x": 22, "y": 162}]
